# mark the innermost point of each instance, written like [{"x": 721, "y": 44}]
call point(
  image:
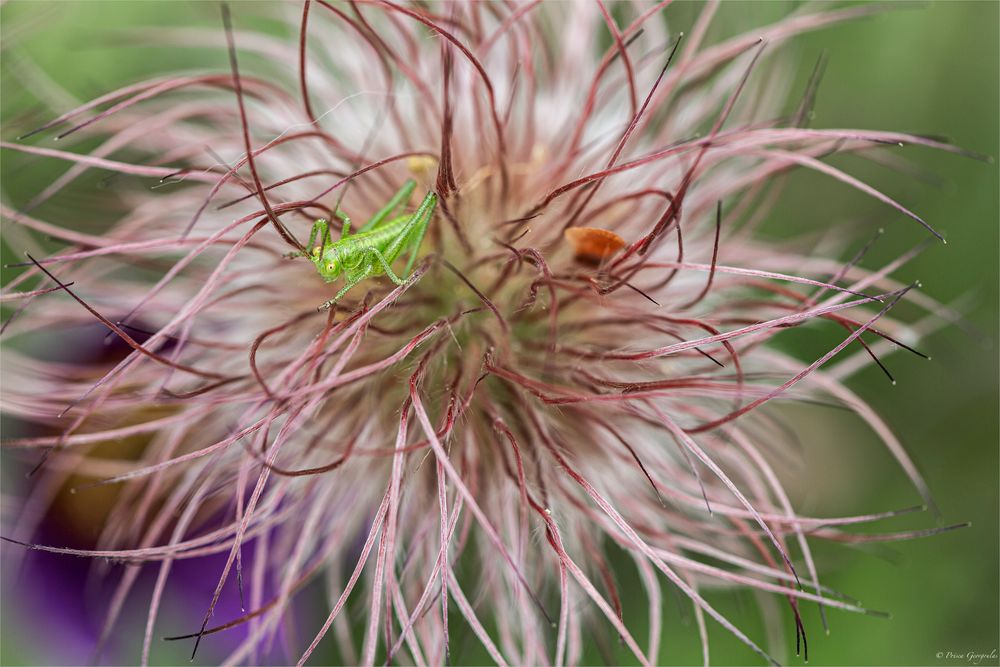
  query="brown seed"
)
[{"x": 593, "y": 245}]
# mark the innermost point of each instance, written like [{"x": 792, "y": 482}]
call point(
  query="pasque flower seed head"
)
[{"x": 573, "y": 362}]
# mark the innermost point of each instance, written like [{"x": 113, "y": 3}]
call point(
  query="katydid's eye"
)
[
  {"x": 593, "y": 245},
  {"x": 329, "y": 267}
]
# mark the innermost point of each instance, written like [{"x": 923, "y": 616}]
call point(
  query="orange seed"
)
[{"x": 593, "y": 245}]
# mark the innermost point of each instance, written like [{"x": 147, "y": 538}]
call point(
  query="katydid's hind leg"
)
[
  {"x": 384, "y": 263},
  {"x": 413, "y": 231},
  {"x": 419, "y": 218},
  {"x": 401, "y": 197},
  {"x": 419, "y": 229}
]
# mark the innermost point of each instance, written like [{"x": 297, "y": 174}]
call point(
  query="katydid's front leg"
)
[
  {"x": 320, "y": 228},
  {"x": 345, "y": 228},
  {"x": 326, "y": 305}
]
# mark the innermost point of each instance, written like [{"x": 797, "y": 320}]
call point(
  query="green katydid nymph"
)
[{"x": 371, "y": 250}]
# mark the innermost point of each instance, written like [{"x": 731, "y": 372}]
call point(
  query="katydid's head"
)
[{"x": 328, "y": 262}]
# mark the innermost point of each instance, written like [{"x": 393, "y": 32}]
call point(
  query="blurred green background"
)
[{"x": 928, "y": 68}]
